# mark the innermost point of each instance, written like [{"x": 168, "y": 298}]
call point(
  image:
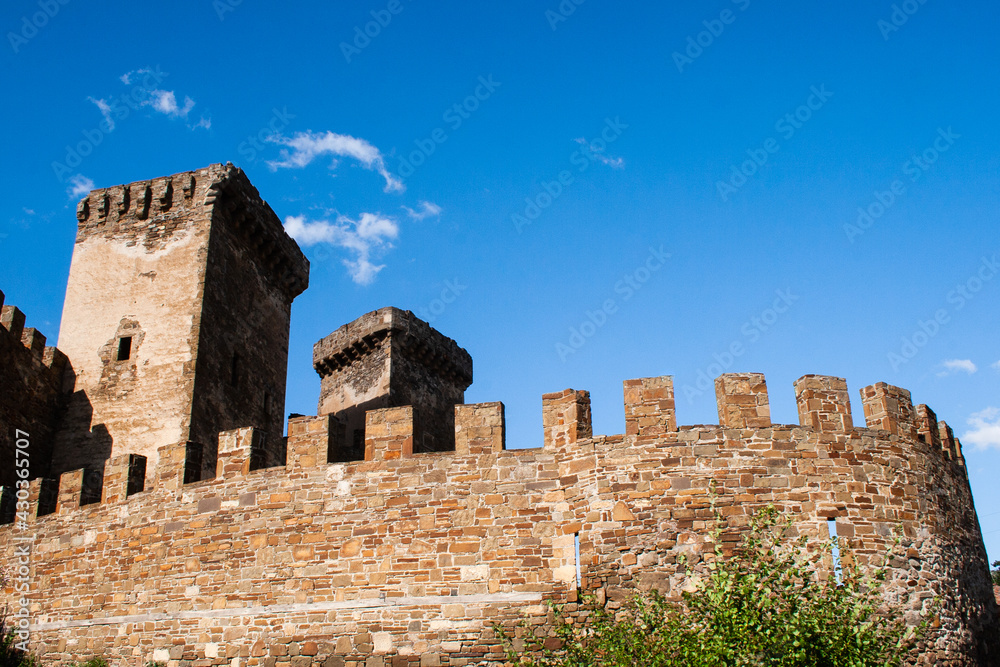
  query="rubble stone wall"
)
[{"x": 409, "y": 558}]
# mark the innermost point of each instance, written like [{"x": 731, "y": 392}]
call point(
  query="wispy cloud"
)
[
  {"x": 307, "y": 146},
  {"x": 596, "y": 153},
  {"x": 985, "y": 429},
  {"x": 996, "y": 366},
  {"x": 368, "y": 238},
  {"x": 79, "y": 185},
  {"x": 952, "y": 366},
  {"x": 126, "y": 78},
  {"x": 105, "y": 109},
  {"x": 157, "y": 99},
  {"x": 165, "y": 102},
  {"x": 425, "y": 209}
]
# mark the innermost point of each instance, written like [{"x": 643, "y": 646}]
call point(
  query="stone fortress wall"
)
[{"x": 380, "y": 549}]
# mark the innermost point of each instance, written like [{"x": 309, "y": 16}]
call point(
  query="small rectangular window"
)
[
  {"x": 267, "y": 406},
  {"x": 838, "y": 571},
  {"x": 124, "y": 348},
  {"x": 576, "y": 557}
]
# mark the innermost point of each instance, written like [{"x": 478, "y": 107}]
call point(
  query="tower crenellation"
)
[
  {"x": 390, "y": 358},
  {"x": 179, "y": 293}
]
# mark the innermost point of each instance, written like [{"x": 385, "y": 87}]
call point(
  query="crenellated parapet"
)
[
  {"x": 823, "y": 402},
  {"x": 742, "y": 400},
  {"x": 438, "y": 541},
  {"x": 31, "y": 393},
  {"x": 390, "y": 358},
  {"x": 152, "y": 213},
  {"x": 177, "y": 320}
]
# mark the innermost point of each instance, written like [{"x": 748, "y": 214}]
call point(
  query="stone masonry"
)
[
  {"x": 239, "y": 549},
  {"x": 176, "y": 318},
  {"x": 390, "y": 358}
]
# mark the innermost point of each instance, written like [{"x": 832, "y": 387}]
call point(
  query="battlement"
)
[
  {"x": 416, "y": 337},
  {"x": 457, "y": 533},
  {"x": 479, "y": 429},
  {"x": 390, "y": 358},
  {"x": 31, "y": 380},
  {"x": 13, "y": 320},
  {"x": 150, "y": 213}
]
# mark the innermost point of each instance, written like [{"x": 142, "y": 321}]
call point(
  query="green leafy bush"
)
[
  {"x": 768, "y": 604},
  {"x": 93, "y": 662},
  {"x": 10, "y": 655}
]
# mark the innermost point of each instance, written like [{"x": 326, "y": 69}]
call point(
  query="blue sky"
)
[{"x": 672, "y": 174}]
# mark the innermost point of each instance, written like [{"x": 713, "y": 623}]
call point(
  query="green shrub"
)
[
  {"x": 767, "y": 604},
  {"x": 93, "y": 662},
  {"x": 10, "y": 655}
]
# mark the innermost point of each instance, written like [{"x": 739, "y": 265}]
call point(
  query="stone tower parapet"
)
[
  {"x": 177, "y": 317},
  {"x": 390, "y": 358}
]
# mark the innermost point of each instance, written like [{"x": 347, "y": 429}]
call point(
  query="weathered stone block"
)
[
  {"x": 389, "y": 434},
  {"x": 479, "y": 428},
  {"x": 824, "y": 403},
  {"x": 649, "y": 406},
  {"x": 566, "y": 418},
  {"x": 742, "y": 400}
]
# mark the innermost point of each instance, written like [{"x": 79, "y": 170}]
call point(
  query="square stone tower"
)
[
  {"x": 390, "y": 358},
  {"x": 176, "y": 318}
]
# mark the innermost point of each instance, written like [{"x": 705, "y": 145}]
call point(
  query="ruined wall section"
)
[
  {"x": 31, "y": 378},
  {"x": 137, "y": 273},
  {"x": 407, "y": 557},
  {"x": 254, "y": 272}
]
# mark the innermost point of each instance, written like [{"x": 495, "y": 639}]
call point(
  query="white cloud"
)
[
  {"x": 161, "y": 101},
  {"x": 367, "y": 238},
  {"x": 425, "y": 209},
  {"x": 29, "y": 211},
  {"x": 997, "y": 365},
  {"x": 985, "y": 429},
  {"x": 79, "y": 185},
  {"x": 598, "y": 154},
  {"x": 105, "y": 111},
  {"x": 126, "y": 78},
  {"x": 957, "y": 365},
  {"x": 307, "y": 146},
  {"x": 165, "y": 102}
]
